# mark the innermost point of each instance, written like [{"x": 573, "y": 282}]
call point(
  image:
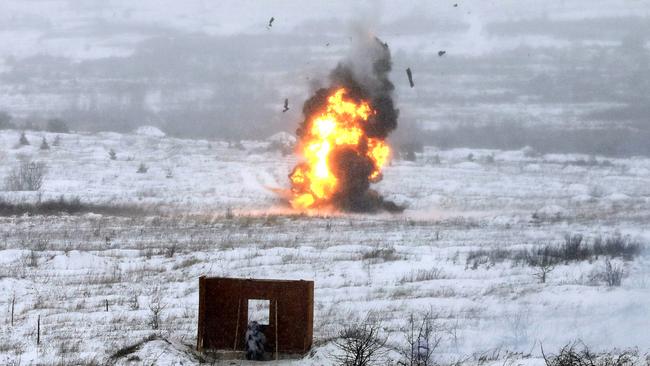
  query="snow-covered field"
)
[{"x": 214, "y": 213}]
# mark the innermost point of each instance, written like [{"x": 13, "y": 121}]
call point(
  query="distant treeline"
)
[{"x": 618, "y": 142}]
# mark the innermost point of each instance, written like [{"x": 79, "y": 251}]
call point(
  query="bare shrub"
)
[
  {"x": 156, "y": 307},
  {"x": 67, "y": 205},
  {"x": 361, "y": 345},
  {"x": 381, "y": 254},
  {"x": 578, "y": 354},
  {"x": 611, "y": 274},
  {"x": 422, "y": 275},
  {"x": 543, "y": 262},
  {"x": 421, "y": 339},
  {"x": 28, "y": 176},
  {"x": 134, "y": 304},
  {"x": 573, "y": 249},
  {"x": 545, "y": 257},
  {"x": 617, "y": 246},
  {"x": 491, "y": 256},
  {"x": 171, "y": 249},
  {"x": 112, "y": 154}
]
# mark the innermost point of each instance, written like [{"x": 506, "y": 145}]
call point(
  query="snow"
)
[
  {"x": 283, "y": 138},
  {"x": 218, "y": 215},
  {"x": 149, "y": 131}
]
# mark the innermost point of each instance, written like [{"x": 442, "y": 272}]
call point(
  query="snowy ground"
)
[{"x": 66, "y": 268}]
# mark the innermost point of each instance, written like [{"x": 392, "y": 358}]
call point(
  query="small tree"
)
[
  {"x": 23, "y": 139},
  {"x": 44, "y": 144},
  {"x": 142, "y": 168},
  {"x": 57, "y": 125},
  {"x": 361, "y": 345},
  {"x": 156, "y": 307},
  {"x": 112, "y": 154},
  {"x": 57, "y": 141},
  {"x": 543, "y": 262}
]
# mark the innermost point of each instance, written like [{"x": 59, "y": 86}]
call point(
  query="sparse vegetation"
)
[
  {"x": 22, "y": 141},
  {"x": 44, "y": 144},
  {"x": 578, "y": 354},
  {"x": 422, "y": 275},
  {"x": 381, "y": 254},
  {"x": 574, "y": 249},
  {"x": 610, "y": 273},
  {"x": 29, "y": 176},
  {"x": 546, "y": 258},
  {"x": 156, "y": 308},
  {"x": 142, "y": 168},
  {"x": 422, "y": 336},
  {"x": 361, "y": 345},
  {"x": 71, "y": 205}
]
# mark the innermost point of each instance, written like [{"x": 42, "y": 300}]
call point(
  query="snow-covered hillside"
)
[{"x": 216, "y": 214}]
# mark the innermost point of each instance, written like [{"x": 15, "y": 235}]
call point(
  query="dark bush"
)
[
  {"x": 69, "y": 206},
  {"x": 578, "y": 354},
  {"x": 384, "y": 254},
  {"x": 23, "y": 139},
  {"x": 574, "y": 249},
  {"x": 142, "y": 168}
]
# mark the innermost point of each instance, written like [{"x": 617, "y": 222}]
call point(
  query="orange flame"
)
[{"x": 339, "y": 125}]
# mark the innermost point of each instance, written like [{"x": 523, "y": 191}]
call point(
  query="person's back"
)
[{"x": 255, "y": 342}]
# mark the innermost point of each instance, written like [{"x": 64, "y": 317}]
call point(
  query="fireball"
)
[{"x": 340, "y": 125}]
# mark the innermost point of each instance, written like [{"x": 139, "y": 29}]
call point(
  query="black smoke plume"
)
[{"x": 365, "y": 77}]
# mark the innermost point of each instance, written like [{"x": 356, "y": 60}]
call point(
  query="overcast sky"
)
[
  {"x": 197, "y": 67},
  {"x": 96, "y": 28}
]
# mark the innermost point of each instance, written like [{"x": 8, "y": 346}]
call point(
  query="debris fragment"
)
[
  {"x": 441, "y": 53},
  {"x": 286, "y": 105},
  {"x": 410, "y": 76},
  {"x": 271, "y": 22},
  {"x": 455, "y": 5}
]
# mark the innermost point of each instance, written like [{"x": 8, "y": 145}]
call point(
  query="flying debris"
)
[
  {"x": 384, "y": 44},
  {"x": 270, "y": 22},
  {"x": 410, "y": 76},
  {"x": 441, "y": 53},
  {"x": 455, "y": 5},
  {"x": 286, "y": 105}
]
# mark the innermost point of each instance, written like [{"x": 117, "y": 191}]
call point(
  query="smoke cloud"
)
[{"x": 365, "y": 77}]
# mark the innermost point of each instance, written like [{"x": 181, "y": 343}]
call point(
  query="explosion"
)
[{"x": 343, "y": 138}]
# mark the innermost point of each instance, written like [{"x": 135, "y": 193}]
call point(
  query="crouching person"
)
[{"x": 255, "y": 342}]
